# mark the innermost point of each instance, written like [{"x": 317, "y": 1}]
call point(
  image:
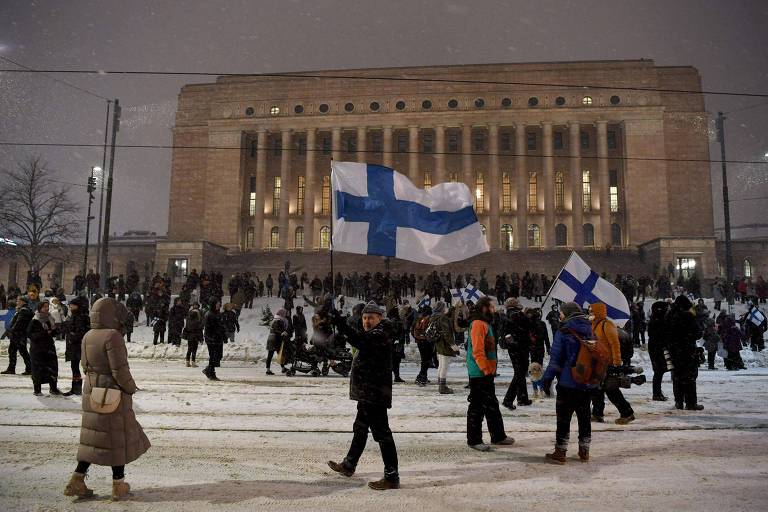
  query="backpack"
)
[
  {"x": 420, "y": 329},
  {"x": 433, "y": 330},
  {"x": 592, "y": 361}
]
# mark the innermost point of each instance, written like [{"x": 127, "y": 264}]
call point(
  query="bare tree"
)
[{"x": 36, "y": 214}]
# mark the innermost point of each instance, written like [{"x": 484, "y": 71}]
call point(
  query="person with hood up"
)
[
  {"x": 193, "y": 333},
  {"x": 76, "y": 326},
  {"x": 732, "y": 336},
  {"x": 231, "y": 324},
  {"x": 370, "y": 385},
  {"x": 279, "y": 333},
  {"x": 215, "y": 335},
  {"x": 107, "y": 439},
  {"x": 572, "y": 397},
  {"x": 17, "y": 333},
  {"x": 657, "y": 345},
  {"x": 176, "y": 317},
  {"x": 42, "y": 350},
  {"x": 605, "y": 329},
  {"x": 682, "y": 332}
]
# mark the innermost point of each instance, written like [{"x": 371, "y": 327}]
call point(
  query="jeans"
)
[
  {"x": 616, "y": 397},
  {"x": 192, "y": 350},
  {"x": 373, "y": 417},
  {"x": 483, "y": 404},
  {"x": 571, "y": 401}
]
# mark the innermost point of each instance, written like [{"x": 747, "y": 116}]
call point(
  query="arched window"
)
[
  {"x": 589, "y": 235},
  {"x": 274, "y": 238},
  {"x": 298, "y": 237},
  {"x": 747, "y": 269},
  {"x": 506, "y": 237},
  {"x": 559, "y": 191},
  {"x": 616, "y": 234},
  {"x": 325, "y": 237},
  {"x": 561, "y": 235},
  {"x": 534, "y": 235},
  {"x": 249, "y": 238}
]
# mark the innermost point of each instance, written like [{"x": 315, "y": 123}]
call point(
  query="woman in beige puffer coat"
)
[{"x": 113, "y": 439}]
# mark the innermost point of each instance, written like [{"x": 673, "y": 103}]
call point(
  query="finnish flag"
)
[
  {"x": 456, "y": 296},
  {"x": 580, "y": 284},
  {"x": 377, "y": 210},
  {"x": 756, "y": 316},
  {"x": 424, "y": 302},
  {"x": 471, "y": 293}
]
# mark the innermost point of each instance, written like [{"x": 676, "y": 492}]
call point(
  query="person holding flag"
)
[{"x": 755, "y": 325}]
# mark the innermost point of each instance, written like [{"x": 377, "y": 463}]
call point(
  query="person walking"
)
[
  {"x": 115, "y": 438},
  {"x": 17, "y": 333},
  {"x": 42, "y": 350},
  {"x": 76, "y": 326},
  {"x": 657, "y": 346},
  {"x": 193, "y": 333},
  {"x": 445, "y": 346},
  {"x": 215, "y": 335},
  {"x": 370, "y": 385},
  {"x": 682, "y": 331}
]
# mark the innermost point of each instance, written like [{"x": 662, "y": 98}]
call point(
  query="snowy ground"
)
[{"x": 253, "y": 442}]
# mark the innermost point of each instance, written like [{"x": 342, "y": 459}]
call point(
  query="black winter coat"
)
[
  {"x": 17, "y": 331},
  {"x": 193, "y": 330},
  {"x": 682, "y": 331},
  {"x": 371, "y": 376},
  {"x": 278, "y": 334},
  {"x": 657, "y": 343},
  {"x": 214, "y": 328},
  {"x": 42, "y": 353},
  {"x": 77, "y": 325},
  {"x": 229, "y": 318}
]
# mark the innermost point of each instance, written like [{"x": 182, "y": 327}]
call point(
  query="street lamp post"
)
[{"x": 91, "y": 189}]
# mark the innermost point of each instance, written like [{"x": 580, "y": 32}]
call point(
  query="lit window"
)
[
  {"x": 178, "y": 267},
  {"x": 427, "y": 180},
  {"x": 274, "y": 111},
  {"x": 534, "y": 235},
  {"x": 589, "y": 235},
  {"x": 276, "y": 196},
  {"x": 561, "y": 235},
  {"x": 326, "y": 206},
  {"x": 249, "y": 238},
  {"x": 325, "y": 237},
  {"x": 586, "y": 191},
  {"x": 532, "y": 192},
  {"x": 298, "y": 238},
  {"x": 747, "y": 269},
  {"x": 686, "y": 266},
  {"x": 613, "y": 189},
  {"x": 300, "y": 192},
  {"x": 559, "y": 191},
  {"x": 274, "y": 238},
  {"x": 506, "y": 237},
  {"x": 506, "y": 193},
  {"x": 453, "y": 177},
  {"x": 252, "y": 197},
  {"x": 479, "y": 192},
  {"x": 586, "y": 100}
]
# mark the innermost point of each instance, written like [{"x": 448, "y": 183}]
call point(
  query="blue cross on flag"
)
[
  {"x": 456, "y": 296},
  {"x": 424, "y": 302},
  {"x": 580, "y": 284},
  {"x": 377, "y": 210},
  {"x": 756, "y": 316},
  {"x": 472, "y": 293}
]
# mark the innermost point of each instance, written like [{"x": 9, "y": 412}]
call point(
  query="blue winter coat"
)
[{"x": 565, "y": 350}]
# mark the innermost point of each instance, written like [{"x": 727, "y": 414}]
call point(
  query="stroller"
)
[{"x": 302, "y": 358}]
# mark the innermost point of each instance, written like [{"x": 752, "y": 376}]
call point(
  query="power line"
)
[
  {"x": 63, "y": 82},
  {"x": 381, "y": 78},
  {"x": 430, "y": 153},
  {"x": 748, "y": 107}
]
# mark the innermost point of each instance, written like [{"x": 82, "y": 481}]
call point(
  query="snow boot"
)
[
  {"x": 584, "y": 454},
  {"x": 556, "y": 457},
  {"x": 481, "y": 447},
  {"x": 76, "y": 487},
  {"x": 507, "y": 441},
  {"x": 660, "y": 398},
  {"x": 27, "y": 371},
  {"x": 598, "y": 419},
  {"x": 120, "y": 489},
  {"x": 444, "y": 389},
  {"x": 694, "y": 407},
  {"x": 384, "y": 484},
  {"x": 9, "y": 371},
  {"x": 625, "y": 420},
  {"x": 77, "y": 388},
  {"x": 194, "y": 364},
  {"x": 340, "y": 468},
  {"x": 188, "y": 364}
]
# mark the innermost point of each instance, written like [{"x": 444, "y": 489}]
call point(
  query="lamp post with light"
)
[{"x": 91, "y": 189}]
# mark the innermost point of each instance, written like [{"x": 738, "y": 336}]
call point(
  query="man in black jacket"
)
[
  {"x": 682, "y": 331},
  {"x": 17, "y": 333},
  {"x": 516, "y": 331},
  {"x": 215, "y": 335},
  {"x": 78, "y": 323},
  {"x": 370, "y": 385}
]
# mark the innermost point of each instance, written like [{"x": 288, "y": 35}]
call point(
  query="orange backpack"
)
[{"x": 592, "y": 361}]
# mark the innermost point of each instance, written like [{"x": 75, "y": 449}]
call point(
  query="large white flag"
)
[
  {"x": 377, "y": 210},
  {"x": 580, "y": 284}
]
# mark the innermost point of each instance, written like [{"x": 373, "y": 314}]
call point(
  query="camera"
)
[{"x": 622, "y": 377}]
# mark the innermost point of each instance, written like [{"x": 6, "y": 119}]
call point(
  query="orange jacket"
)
[
  {"x": 482, "y": 358},
  {"x": 605, "y": 329}
]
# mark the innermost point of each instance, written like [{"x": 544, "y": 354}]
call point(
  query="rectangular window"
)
[
  {"x": 686, "y": 267},
  {"x": 558, "y": 142},
  {"x": 254, "y": 147},
  {"x": 277, "y": 146},
  {"x": 506, "y": 141},
  {"x": 326, "y": 206},
  {"x": 453, "y": 143},
  {"x": 300, "y": 192},
  {"x": 302, "y": 142},
  {"x": 479, "y": 192},
  {"x": 249, "y": 238},
  {"x": 454, "y": 177},
  {"x": 351, "y": 144},
  {"x": 376, "y": 143},
  {"x": 506, "y": 193},
  {"x": 612, "y": 144},
  {"x": 177, "y": 267},
  {"x": 533, "y": 196},
  {"x": 584, "y": 140},
  {"x": 586, "y": 191},
  {"x": 326, "y": 145},
  {"x": 252, "y": 196},
  {"x": 402, "y": 143},
  {"x": 427, "y": 180},
  {"x": 531, "y": 138},
  {"x": 559, "y": 191},
  {"x": 276, "y": 196},
  {"x": 613, "y": 189},
  {"x": 427, "y": 143},
  {"x": 479, "y": 142}
]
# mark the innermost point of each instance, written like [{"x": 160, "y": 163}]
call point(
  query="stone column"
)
[
  {"x": 577, "y": 207},
  {"x": 603, "y": 182},
  {"x": 466, "y": 157},
  {"x": 362, "y": 156},
  {"x": 413, "y": 155},
  {"x": 309, "y": 192},
  {"x": 521, "y": 230},
  {"x": 285, "y": 176},
  {"x": 439, "y": 176},
  {"x": 261, "y": 187},
  {"x": 493, "y": 186},
  {"x": 387, "y": 149},
  {"x": 549, "y": 186}
]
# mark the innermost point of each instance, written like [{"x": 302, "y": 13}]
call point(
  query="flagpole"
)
[
  {"x": 555, "y": 281},
  {"x": 330, "y": 242}
]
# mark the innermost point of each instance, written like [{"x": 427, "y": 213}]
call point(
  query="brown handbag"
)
[{"x": 102, "y": 400}]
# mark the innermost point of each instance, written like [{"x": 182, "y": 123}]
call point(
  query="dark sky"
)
[{"x": 726, "y": 40}]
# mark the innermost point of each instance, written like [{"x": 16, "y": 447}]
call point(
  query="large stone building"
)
[{"x": 553, "y": 166}]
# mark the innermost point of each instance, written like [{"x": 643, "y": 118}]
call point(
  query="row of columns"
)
[{"x": 521, "y": 181}]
